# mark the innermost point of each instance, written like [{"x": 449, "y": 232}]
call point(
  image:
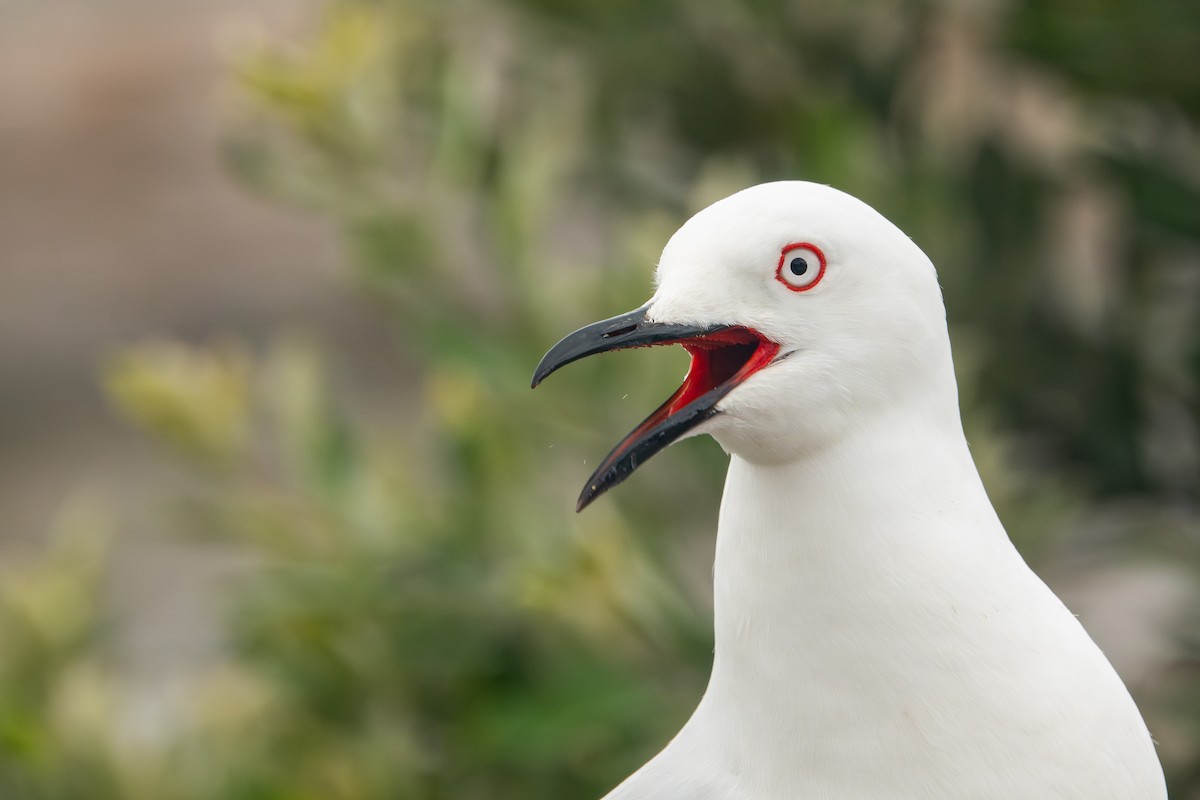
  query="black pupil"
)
[{"x": 799, "y": 266}]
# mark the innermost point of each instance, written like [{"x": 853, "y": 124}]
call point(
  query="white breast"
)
[{"x": 878, "y": 637}]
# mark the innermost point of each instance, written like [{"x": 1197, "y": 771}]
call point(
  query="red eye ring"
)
[{"x": 783, "y": 259}]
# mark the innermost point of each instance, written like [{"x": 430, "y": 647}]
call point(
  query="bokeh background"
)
[{"x": 280, "y": 518}]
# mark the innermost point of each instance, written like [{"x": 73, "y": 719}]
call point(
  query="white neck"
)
[
  {"x": 833, "y": 574},
  {"x": 877, "y": 636}
]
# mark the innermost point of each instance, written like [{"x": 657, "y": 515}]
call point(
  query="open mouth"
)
[
  {"x": 719, "y": 358},
  {"x": 723, "y": 356}
]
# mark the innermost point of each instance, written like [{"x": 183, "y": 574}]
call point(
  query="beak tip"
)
[
  {"x": 595, "y": 487},
  {"x": 541, "y": 373}
]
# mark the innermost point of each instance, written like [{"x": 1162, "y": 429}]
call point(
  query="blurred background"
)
[{"x": 280, "y": 518}]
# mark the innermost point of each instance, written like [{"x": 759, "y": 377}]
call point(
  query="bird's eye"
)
[{"x": 801, "y": 266}]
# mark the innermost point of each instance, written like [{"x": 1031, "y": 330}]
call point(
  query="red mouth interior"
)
[
  {"x": 728, "y": 356},
  {"x": 724, "y": 357}
]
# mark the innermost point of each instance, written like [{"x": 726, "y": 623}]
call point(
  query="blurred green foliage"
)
[{"x": 427, "y": 618}]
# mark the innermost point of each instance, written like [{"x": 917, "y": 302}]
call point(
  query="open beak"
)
[{"x": 723, "y": 356}]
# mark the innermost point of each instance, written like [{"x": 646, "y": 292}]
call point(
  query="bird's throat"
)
[{"x": 836, "y": 577}]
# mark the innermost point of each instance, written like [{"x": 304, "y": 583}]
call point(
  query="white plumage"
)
[{"x": 877, "y": 635}]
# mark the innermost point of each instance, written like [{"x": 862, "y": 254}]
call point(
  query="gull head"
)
[{"x": 805, "y": 313}]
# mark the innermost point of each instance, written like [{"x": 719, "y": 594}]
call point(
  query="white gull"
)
[{"x": 878, "y": 637}]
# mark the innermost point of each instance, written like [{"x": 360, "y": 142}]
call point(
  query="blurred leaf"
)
[{"x": 194, "y": 400}]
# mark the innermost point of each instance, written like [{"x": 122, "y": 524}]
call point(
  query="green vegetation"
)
[{"x": 428, "y": 618}]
